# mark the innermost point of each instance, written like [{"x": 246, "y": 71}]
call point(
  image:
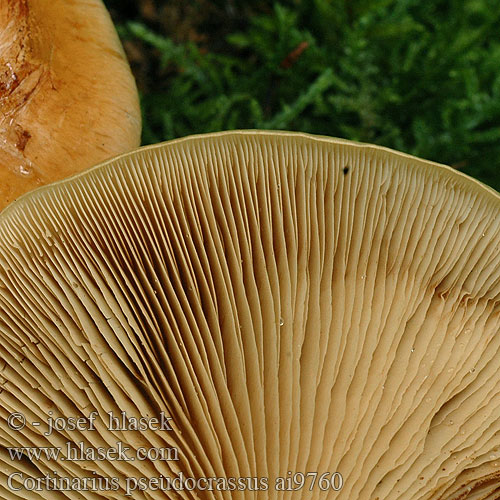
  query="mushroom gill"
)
[{"x": 295, "y": 304}]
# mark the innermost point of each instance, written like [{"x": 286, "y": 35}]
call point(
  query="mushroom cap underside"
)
[{"x": 295, "y": 304}]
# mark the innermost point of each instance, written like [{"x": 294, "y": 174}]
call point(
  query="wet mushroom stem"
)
[
  {"x": 294, "y": 303},
  {"x": 67, "y": 97}
]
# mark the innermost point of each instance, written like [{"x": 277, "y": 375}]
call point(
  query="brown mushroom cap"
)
[
  {"x": 67, "y": 97},
  {"x": 295, "y": 303}
]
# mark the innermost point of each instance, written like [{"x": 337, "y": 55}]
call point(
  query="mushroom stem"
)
[{"x": 67, "y": 97}]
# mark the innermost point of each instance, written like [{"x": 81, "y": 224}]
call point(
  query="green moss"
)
[{"x": 420, "y": 77}]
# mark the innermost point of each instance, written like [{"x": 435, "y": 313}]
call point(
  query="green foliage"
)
[{"x": 418, "y": 76}]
